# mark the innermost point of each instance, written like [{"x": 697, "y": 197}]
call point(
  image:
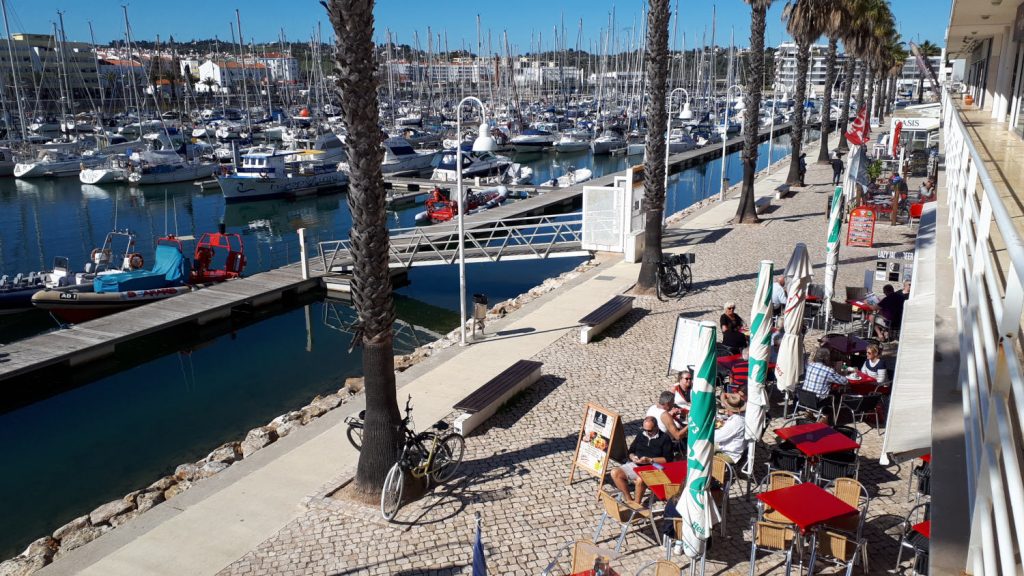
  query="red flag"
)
[
  {"x": 896, "y": 138},
  {"x": 858, "y": 132}
]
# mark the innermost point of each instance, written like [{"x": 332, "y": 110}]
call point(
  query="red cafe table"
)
[
  {"x": 816, "y": 439},
  {"x": 861, "y": 383},
  {"x": 923, "y": 528},
  {"x": 808, "y": 506},
  {"x": 675, "y": 471}
]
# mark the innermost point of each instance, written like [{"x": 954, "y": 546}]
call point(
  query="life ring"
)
[{"x": 135, "y": 261}]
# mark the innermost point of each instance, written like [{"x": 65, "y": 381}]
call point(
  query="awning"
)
[{"x": 909, "y": 422}]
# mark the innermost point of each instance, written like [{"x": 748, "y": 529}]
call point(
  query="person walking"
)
[
  {"x": 837, "y": 169},
  {"x": 803, "y": 169}
]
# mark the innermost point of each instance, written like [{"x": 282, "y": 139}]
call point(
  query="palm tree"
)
[
  {"x": 657, "y": 124},
  {"x": 803, "y": 25},
  {"x": 356, "y": 70},
  {"x": 746, "y": 212},
  {"x": 826, "y": 99},
  {"x": 927, "y": 50}
]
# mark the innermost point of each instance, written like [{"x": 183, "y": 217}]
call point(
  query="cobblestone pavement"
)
[{"x": 516, "y": 467}]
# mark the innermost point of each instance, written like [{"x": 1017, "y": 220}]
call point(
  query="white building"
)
[
  {"x": 283, "y": 68},
  {"x": 817, "y": 71},
  {"x": 118, "y": 73},
  {"x": 227, "y": 75}
]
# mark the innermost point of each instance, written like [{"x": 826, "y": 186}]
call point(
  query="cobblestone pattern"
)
[{"x": 516, "y": 467}]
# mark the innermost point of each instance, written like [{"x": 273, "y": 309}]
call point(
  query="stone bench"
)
[
  {"x": 762, "y": 204},
  {"x": 782, "y": 191},
  {"x": 485, "y": 400},
  {"x": 603, "y": 317}
]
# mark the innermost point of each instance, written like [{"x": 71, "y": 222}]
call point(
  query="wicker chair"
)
[
  {"x": 774, "y": 539},
  {"x": 775, "y": 481},
  {"x": 838, "y": 549},
  {"x": 625, "y": 514},
  {"x": 722, "y": 473},
  {"x": 855, "y": 494},
  {"x": 582, "y": 555},
  {"x": 661, "y": 568}
]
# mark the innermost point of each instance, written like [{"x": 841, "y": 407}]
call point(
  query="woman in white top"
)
[{"x": 874, "y": 366}]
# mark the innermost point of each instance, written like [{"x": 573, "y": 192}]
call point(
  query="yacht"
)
[
  {"x": 532, "y": 140},
  {"x": 114, "y": 169},
  {"x": 573, "y": 141},
  {"x": 55, "y": 163},
  {"x": 268, "y": 173},
  {"x": 474, "y": 164},
  {"x": 679, "y": 141},
  {"x": 400, "y": 158},
  {"x": 166, "y": 166},
  {"x": 609, "y": 140}
]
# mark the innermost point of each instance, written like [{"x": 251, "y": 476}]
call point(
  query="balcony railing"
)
[{"x": 988, "y": 298}]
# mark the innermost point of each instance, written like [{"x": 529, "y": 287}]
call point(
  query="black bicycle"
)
[{"x": 674, "y": 276}]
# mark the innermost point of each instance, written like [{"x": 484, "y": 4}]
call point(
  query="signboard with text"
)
[
  {"x": 861, "y": 230},
  {"x": 601, "y": 438}
]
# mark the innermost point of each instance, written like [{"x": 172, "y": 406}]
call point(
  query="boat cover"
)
[{"x": 171, "y": 269}]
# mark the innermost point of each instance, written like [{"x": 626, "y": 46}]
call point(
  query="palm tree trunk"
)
[
  {"x": 746, "y": 212},
  {"x": 657, "y": 125},
  {"x": 891, "y": 100},
  {"x": 869, "y": 97},
  {"x": 920, "y": 88},
  {"x": 883, "y": 88},
  {"x": 844, "y": 112},
  {"x": 826, "y": 103},
  {"x": 355, "y": 67},
  {"x": 796, "y": 137},
  {"x": 865, "y": 73}
]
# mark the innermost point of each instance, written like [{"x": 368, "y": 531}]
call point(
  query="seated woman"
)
[
  {"x": 733, "y": 337},
  {"x": 875, "y": 366},
  {"x": 730, "y": 436}
]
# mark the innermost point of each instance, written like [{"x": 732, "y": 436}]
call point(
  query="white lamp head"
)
[
  {"x": 484, "y": 142},
  {"x": 686, "y": 113}
]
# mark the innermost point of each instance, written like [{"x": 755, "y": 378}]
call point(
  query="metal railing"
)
[
  {"x": 529, "y": 237},
  {"x": 988, "y": 264}
]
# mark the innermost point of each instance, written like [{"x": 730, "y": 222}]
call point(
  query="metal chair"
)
[
  {"x": 861, "y": 406},
  {"x": 856, "y": 293},
  {"x": 839, "y": 549},
  {"x": 582, "y": 555},
  {"x": 856, "y": 495},
  {"x": 661, "y": 568},
  {"x": 837, "y": 466},
  {"x": 775, "y": 480},
  {"x": 912, "y": 540},
  {"x": 810, "y": 402},
  {"x": 722, "y": 473},
  {"x": 923, "y": 473},
  {"x": 785, "y": 457},
  {"x": 842, "y": 314},
  {"x": 625, "y": 514},
  {"x": 774, "y": 539}
]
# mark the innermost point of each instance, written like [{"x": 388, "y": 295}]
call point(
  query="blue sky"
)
[{"x": 523, "y": 19}]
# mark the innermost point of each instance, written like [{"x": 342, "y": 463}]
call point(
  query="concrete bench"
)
[
  {"x": 603, "y": 317},
  {"x": 485, "y": 401},
  {"x": 782, "y": 191},
  {"x": 762, "y": 204}
]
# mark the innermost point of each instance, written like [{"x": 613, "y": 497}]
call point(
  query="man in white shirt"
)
[
  {"x": 665, "y": 413},
  {"x": 779, "y": 296},
  {"x": 730, "y": 439}
]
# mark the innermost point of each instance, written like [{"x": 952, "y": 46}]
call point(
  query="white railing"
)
[
  {"x": 988, "y": 298},
  {"x": 529, "y": 237}
]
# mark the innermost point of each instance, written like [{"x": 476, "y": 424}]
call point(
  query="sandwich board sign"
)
[
  {"x": 685, "y": 353},
  {"x": 601, "y": 438}
]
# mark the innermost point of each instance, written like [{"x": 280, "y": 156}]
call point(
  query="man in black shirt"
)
[{"x": 651, "y": 446}]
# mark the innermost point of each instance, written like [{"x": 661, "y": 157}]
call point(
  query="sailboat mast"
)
[
  {"x": 14, "y": 72},
  {"x": 241, "y": 56}
]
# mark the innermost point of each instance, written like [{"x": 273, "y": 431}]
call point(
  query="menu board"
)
[
  {"x": 600, "y": 438},
  {"x": 861, "y": 230}
]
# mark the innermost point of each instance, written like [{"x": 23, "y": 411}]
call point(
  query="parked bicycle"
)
[
  {"x": 431, "y": 455},
  {"x": 674, "y": 276}
]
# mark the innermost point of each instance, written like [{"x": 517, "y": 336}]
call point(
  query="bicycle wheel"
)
[
  {"x": 668, "y": 282},
  {"x": 448, "y": 457},
  {"x": 686, "y": 278},
  {"x": 355, "y": 435},
  {"x": 391, "y": 493}
]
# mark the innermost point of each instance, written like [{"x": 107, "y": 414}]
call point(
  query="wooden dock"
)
[{"x": 95, "y": 339}]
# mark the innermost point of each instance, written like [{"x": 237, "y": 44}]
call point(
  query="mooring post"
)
[{"x": 302, "y": 253}]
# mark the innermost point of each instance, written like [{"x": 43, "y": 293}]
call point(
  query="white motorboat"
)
[
  {"x": 55, "y": 163},
  {"x": 608, "y": 140},
  {"x": 679, "y": 141},
  {"x": 264, "y": 173},
  {"x": 328, "y": 144},
  {"x": 400, "y": 158},
  {"x": 531, "y": 140},
  {"x": 571, "y": 177},
  {"x": 573, "y": 141},
  {"x": 474, "y": 164},
  {"x": 166, "y": 166}
]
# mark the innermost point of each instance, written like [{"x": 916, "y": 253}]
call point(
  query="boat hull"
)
[
  {"x": 74, "y": 307},
  {"x": 54, "y": 169},
  {"x": 571, "y": 146},
  {"x": 101, "y": 176},
  {"x": 184, "y": 174},
  {"x": 239, "y": 189}
]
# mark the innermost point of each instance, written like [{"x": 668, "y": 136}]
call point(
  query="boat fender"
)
[{"x": 135, "y": 261}]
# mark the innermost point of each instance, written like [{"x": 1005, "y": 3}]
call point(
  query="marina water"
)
[{"x": 172, "y": 398}]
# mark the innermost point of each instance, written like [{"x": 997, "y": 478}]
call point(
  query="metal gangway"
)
[
  {"x": 522, "y": 238},
  {"x": 340, "y": 316}
]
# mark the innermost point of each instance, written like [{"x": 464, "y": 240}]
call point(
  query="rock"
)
[
  {"x": 329, "y": 402},
  {"x": 257, "y": 438},
  {"x": 130, "y": 497},
  {"x": 162, "y": 484},
  {"x": 122, "y": 518},
  {"x": 287, "y": 428},
  {"x": 21, "y": 566},
  {"x": 211, "y": 469},
  {"x": 109, "y": 510},
  {"x": 312, "y": 411},
  {"x": 147, "y": 500},
  {"x": 354, "y": 385},
  {"x": 43, "y": 548},
  {"x": 283, "y": 418},
  {"x": 76, "y": 524},
  {"x": 177, "y": 489},
  {"x": 184, "y": 472},
  {"x": 81, "y": 537},
  {"x": 227, "y": 453}
]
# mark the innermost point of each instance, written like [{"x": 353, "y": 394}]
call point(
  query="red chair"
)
[
  {"x": 915, "y": 213},
  {"x": 738, "y": 376}
]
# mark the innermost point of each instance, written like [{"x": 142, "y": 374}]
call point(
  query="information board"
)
[
  {"x": 896, "y": 267},
  {"x": 685, "y": 352},
  {"x": 601, "y": 438},
  {"x": 861, "y": 230}
]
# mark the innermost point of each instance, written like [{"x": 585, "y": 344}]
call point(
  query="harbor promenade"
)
[{"x": 272, "y": 513}]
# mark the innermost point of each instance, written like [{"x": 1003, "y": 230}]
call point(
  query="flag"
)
[
  {"x": 760, "y": 350},
  {"x": 859, "y": 129},
  {"x": 896, "y": 138},
  {"x": 696, "y": 507},
  {"x": 479, "y": 562}
]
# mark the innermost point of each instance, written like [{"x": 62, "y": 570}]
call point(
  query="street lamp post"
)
[
  {"x": 725, "y": 134},
  {"x": 482, "y": 143},
  {"x": 771, "y": 129},
  {"x": 684, "y": 114}
]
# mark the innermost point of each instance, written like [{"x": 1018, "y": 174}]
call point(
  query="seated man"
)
[
  {"x": 649, "y": 447},
  {"x": 666, "y": 416},
  {"x": 889, "y": 312},
  {"x": 682, "y": 389},
  {"x": 730, "y": 439},
  {"x": 819, "y": 376}
]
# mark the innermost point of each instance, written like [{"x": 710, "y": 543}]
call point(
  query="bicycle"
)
[
  {"x": 674, "y": 276},
  {"x": 430, "y": 455}
]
